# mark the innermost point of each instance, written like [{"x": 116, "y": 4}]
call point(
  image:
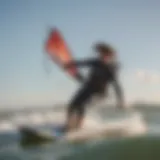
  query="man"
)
[{"x": 103, "y": 72}]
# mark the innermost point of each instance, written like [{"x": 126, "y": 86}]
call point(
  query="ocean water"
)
[{"x": 141, "y": 147}]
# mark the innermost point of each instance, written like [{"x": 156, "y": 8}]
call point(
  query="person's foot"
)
[{"x": 63, "y": 129}]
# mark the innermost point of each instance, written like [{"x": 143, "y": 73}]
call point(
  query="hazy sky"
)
[{"x": 131, "y": 26}]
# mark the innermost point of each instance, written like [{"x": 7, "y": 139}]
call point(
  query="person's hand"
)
[
  {"x": 66, "y": 66},
  {"x": 69, "y": 64}
]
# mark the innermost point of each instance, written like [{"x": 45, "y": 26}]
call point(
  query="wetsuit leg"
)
[{"x": 78, "y": 103}]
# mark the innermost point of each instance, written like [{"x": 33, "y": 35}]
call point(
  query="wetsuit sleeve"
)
[
  {"x": 118, "y": 89},
  {"x": 82, "y": 63},
  {"x": 119, "y": 93}
]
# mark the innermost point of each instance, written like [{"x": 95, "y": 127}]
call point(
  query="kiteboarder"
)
[{"x": 103, "y": 72}]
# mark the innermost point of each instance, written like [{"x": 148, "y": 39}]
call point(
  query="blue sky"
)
[{"x": 131, "y": 26}]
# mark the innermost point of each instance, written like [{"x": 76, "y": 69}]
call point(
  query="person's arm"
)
[
  {"x": 117, "y": 87},
  {"x": 119, "y": 94},
  {"x": 81, "y": 63}
]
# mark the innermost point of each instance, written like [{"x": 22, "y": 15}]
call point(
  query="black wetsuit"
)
[{"x": 101, "y": 75}]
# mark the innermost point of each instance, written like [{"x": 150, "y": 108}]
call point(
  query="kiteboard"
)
[
  {"x": 59, "y": 52},
  {"x": 91, "y": 130},
  {"x": 30, "y": 135}
]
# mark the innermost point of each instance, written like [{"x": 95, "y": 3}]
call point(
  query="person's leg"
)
[
  {"x": 75, "y": 116},
  {"x": 76, "y": 109}
]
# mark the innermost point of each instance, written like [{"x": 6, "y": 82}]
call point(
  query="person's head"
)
[{"x": 104, "y": 50}]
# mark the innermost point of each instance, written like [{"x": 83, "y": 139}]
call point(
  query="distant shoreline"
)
[{"x": 60, "y": 106}]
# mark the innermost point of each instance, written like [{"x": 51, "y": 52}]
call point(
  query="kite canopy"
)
[{"x": 59, "y": 52}]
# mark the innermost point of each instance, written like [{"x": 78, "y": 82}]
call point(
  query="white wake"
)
[{"x": 130, "y": 125}]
